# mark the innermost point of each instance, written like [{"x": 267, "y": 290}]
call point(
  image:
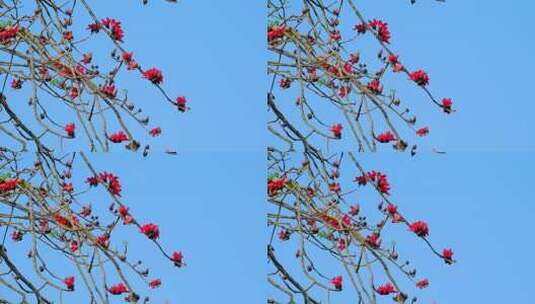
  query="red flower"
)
[
  {"x": 118, "y": 289},
  {"x": 276, "y": 32},
  {"x": 285, "y": 83},
  {"x": 335, "y": 187},
  {"x": 86, "y": 211},
  {"x": 373, "y": 240},
  {"x": 118, "y": 137},
  {"x": 69, "y": 283},
  {"x": 67, "y": 187},
  {"x": 69, "y": 128},
  {"x": 446, "y": 105},
  {"x": 112, "y": 182},
  {"x": 103, "y": 241},
  {"x": 386, "y": 137},
  {"x": 361, "y": 28},
  {"x": 87, "y": 58},
  {"x": 419, "y": 228},
  {"x": 393, "y": 59},
  {"x": 109, "y": 90},
  {"x": 94, "y": 27},
  {"x": 8, "y": 185},
  {"x": 155, "y": 283},
  {"x": 276, "y": 184},
  {"x": 342, "y": 244},
  {"x": 181, "y": 103},
  {"x": 284, "y": 235},
  {"x": 382, "y": 30},
  {"x": 62, "y": 221},
  {"x": 335, "y": 35},
  {"x": 114, "y": 26},
  {"x": 420, "y": 77},
  {"x": 74, "y": 92},
  {"x": 125, "y": 215},
  {"x": 177, "y": 258},
  {"x": 422, "y": 131},
  {"x": 337, "y": 130},
  {"x": 337, "y": 282},
  {"x": 354, "y": 210},
  {"x": 153, "y": 75},
  {"x": 67, "y": 35},
  {"x": 16, "y": 84},
  {"x": 16, "y": 236},
  {"x": 422, "y": 283},
  {"x": 128, "y": 56},
  {"x": 151, "y": 231},
  {"x": 447, "y": 255},
  {"x": 155, "y": 131},
  {"x": 386, "y": 289},
  {"x": 8, "y": 33},
  {"x": 392, "y": 209},
  {"x": 74, "y": 246},
  {"x": 375, "y": 86}
]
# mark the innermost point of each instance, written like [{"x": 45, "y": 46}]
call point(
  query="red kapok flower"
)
[
  {"x": 446, "y": 105},
  {"x": 94, "y": 27},
  {"x": 109, "y": 90},
  {"x": 74, "y": 246},
  {"x": 276, "y": 32},
  {"x": 177, "y": 258},
  {"x": 422, "y": 131},
  {"x": 103, "y": 241},
  {"x": 181, "y": 103},
  {"x": 128, "y": 56},
  {"x": 337, "y": 282},
  {"x": 284, "y": 235},
  {"x": 155, "y": 131},
  {"x": 8, "y": 33},
  {"x": 393, "y": 59},
  {"x": 155, "y": 283},
  {"x": 74, "y": 92},
  {"x": 16, "y": 235},
  {"x": 115, "y": 27},
  {"x": 420, "y": 77},
  {"x": 69, "y": 283},
  {"x": 69, "y": 128},
  {"x": 422, "y": 283},
  {"x": 361, "y": 28},
  {"x": 419, "y": 228},
  {"x": 386, "y": 289},
  {"x": 276, "y": 184},
  {"x": 337, "y": 130},
  {"x": 87, "y": 57},
  {"x": 151, "y": 231},
  {"x": 16, "y": 84},
  {"x": 118, "y": 137},
  {"x": 153, "y": 75},
  {"x": 8, "y": 185},
  {"x": 447, "y": 255},
  {"x": 373, "y": 240},
  {"x": 67, "y": 187},
  {"x": 386, "y": 137},
  {"x": 118, "y": 289},
  {"x": 375, "y": 86},
  {"x": 382, "y": 30}
]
